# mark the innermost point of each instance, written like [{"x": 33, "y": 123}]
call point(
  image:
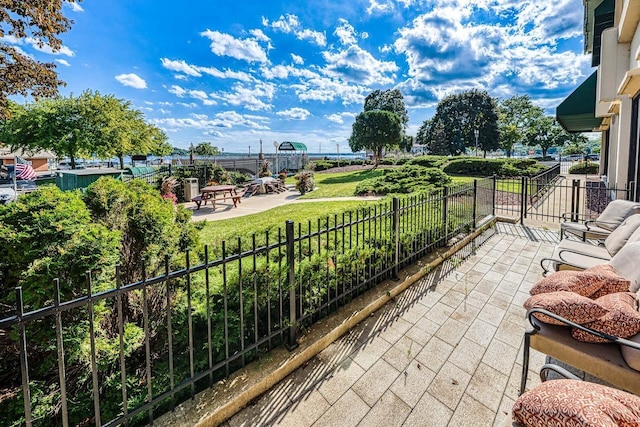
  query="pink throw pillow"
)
[
  {"x": 622, "y": 319},
  {"x": 576, "y": 403},
  {"x": 569, "y": 305},
  {"x": 598, "y": 280}
]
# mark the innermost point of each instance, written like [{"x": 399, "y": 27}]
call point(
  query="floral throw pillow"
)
[
  {"x": 622, "y": 319},
  {"x": 569, "y": 305},
  {"x": 598, "y": 280},
  {"x": 576, "y": 403}
]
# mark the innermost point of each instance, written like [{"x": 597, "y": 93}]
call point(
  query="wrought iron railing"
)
[{"x": 127, "y": 354}]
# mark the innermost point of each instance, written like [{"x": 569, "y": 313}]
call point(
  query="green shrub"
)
[
  {"x": 429, "y": 161},
  {"x": 403, "y": 180},
  {"x": 584, "y": 168},
  {"x": 473, "y": 166}
]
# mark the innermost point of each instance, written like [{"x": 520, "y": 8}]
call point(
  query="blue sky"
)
[{"x": 234, "y": 72}]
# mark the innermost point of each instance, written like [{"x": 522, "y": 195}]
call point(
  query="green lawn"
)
[
  {"x": 216, "y": 231},
  {"x": 339, "y": 184}
]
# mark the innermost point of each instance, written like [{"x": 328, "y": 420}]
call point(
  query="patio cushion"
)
[
  {"x": 625, "y": 263},
  {"x": 585, "y": 283},
  {"x": 618, "y": 237},
  {"x": 576, "y": 403},
  {"x": 631, "y": 355},
  {"x": 616, "y": 212},
  {"x": 622, "y": 319},
  {"x": 571, "y": 306}
]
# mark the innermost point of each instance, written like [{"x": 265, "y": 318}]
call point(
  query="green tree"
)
[
  {"x": 451, "y": 130},
  {"x": 205, "y": 149},
  {"x": 77, "y": 127},
  {"x": 515, "y": 115},
  {"x": 20, "y": 74},
  {"x": 376, "y": 130},
  {"x": 545, "y": 132},
  {"x": 388, "y": 100}
]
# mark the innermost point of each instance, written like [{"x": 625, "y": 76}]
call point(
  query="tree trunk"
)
[{"x": 121, "y": 158}]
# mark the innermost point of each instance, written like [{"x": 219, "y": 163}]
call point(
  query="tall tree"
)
[
  {"x": 20, "y": 74},
  {"x": 76, "y": 127},
  {"x": 388, "y": 100},
  {"x": 515, "y": 115},
  {"x": 457, "y": 116},
  {"x": 376, "y": 130},
  {"x": 545, "y": 132},
  {"x": 205, "y": 149}
]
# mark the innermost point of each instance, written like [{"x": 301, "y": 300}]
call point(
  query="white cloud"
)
[
  {"x": 225, "y": 119},
  {"x": 295, "y": 113},
  {"x": 297, "y": 59},
  {"x": 63, "y": 62},
  {"x": 131, "y": 80},
  {"x": 357, "y": 65},
  {"x": 74, "y": 6},
  {"x": 243, "y": 49},
  {"x": 180, "y": 66},
  {"x": 259, "y": 35},
  {"x": 339, "y": 117},
  {"x": 255, "y": 98},
  {"x": 45, "y": 48},
  {"x": 290, "y": 24},
  {"x": 345, "y": 32}
]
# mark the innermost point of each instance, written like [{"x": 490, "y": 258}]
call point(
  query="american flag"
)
[{"x": 24, "y": 170}]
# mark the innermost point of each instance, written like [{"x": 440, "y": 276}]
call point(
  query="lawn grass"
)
[
  {"x": 341, "y": 184},
  {"x": 216, "y": 231}
]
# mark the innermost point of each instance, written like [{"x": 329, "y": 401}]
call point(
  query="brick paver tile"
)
[
  {"x": 471, "y": 413},
  {"x": 389, "y": 411},
  {"x": 429, "y": 412},
  {"x": 449, "y": 385},
  {"x": 348, "y": 411},
  {"x": 375, "y": 382},
  {"x": 412, "y": 383}
]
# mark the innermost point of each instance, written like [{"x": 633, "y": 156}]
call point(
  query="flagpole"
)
[{"x": 15, "y": 172}]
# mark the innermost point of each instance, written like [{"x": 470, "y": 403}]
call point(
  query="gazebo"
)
[{"x": 293, "y": 162}]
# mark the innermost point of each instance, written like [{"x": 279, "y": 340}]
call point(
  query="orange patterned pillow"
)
[
  {"x": 600, "y": 279},
  {"x": 622, "y": 319},
  {"x": 576, "y": 403},
  {"x": 569, "y": 305}
]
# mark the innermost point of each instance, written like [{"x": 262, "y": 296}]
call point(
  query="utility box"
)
[{"x": 191, "y": 189}]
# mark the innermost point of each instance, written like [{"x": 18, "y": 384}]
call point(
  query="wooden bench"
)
[
  {"x": 198, "y": 201},
  {"x": 603, "y": 361}
]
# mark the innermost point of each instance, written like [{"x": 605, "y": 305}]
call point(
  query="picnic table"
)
[{"x": 213, "y": 193}]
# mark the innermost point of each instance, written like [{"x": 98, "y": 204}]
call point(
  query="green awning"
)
[
  {"x": 577, "y": 113},
  {"x": 292, "y": 146}
]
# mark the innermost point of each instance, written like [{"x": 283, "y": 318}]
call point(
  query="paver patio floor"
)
[{"x": 447, "y": 352}]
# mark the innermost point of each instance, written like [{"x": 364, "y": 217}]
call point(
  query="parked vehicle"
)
[{"x": 66, "y": 165}]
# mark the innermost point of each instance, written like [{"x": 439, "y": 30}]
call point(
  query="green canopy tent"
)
[{"x": 298, "y": 163}]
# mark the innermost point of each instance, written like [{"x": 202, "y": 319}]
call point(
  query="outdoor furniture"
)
[
  {"x": 603, "y": 361},
  {"x": 214, "y": 193},
  {"x": 611, "y": 217},
  {"x": 575, "y": 255}
]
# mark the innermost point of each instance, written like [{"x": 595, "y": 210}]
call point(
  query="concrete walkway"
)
[
  {"x": 447, "y": 352},
  {"x": 256, "y": 203}
]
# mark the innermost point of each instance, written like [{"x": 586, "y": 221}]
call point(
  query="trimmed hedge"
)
[
  {"x": 473, "y": 166},
  {"x": 585, "y": 168},
  {"x": 403, "y": 180}
]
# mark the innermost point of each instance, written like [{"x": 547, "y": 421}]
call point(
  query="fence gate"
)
[{"x": 545, "y": 198}]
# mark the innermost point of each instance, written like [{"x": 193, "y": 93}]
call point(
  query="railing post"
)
[
  {"x": 493, "y": 195},
  {"x": 293, "y": 343},
  {"x": 575, "y": 187},
  {"x": 24, "y": 363},
  {"x": 396, "y": 237},
  {"x": 523, "y": 198},
  {"x": 445, "y": 203},
  {"x": 475, "y": 202}
]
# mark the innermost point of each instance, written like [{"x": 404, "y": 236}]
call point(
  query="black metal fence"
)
[
  {"x": 549, "y": 196},
  {"x": 125, "y": 355}
]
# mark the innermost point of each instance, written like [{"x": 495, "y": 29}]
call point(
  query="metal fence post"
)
[
  {"x": 493, "y": 195},
  {"x": 523, "y": 198},
  {"x": 24, "y": 363},
  {"x": 396, "y": 237},
  {"x": 445, "y": 203},
  {"x": 575, "y": 200},
  {"x": 293, "y": 343},
  {"x": 475, "y": 202}
]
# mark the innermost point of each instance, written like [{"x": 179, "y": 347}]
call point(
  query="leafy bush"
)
[
  {"x": 429, "y": 161},
  {"x": 305, "y": 182},
  {"x": 584, "y": 168},
  {"x": 405, "y": 179},
  {"x": 473, "y": 166}
]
